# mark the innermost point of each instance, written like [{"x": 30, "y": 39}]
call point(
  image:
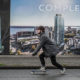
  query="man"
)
[{"x": 49, "y": 50}]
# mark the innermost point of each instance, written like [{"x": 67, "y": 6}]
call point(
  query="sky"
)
[{"x": 42, "y": 12}]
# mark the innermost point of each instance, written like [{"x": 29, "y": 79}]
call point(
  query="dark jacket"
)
[{"x": 47, "y": 45}]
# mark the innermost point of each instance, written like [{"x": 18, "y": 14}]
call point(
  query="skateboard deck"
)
[{"x": 38, "y": 72}]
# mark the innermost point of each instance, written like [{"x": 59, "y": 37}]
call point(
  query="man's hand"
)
[{"x": 33, "y": 54}]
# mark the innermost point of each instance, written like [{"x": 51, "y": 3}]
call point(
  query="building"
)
[
  {"x": 49, "y": 32},
  {"x": 0, "y": 33},
  {"x": 59, "y": 29},
  {"x": 25, "y": 35}
]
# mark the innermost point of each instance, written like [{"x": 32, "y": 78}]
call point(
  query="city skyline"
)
[{"x": 28, "y": 13}]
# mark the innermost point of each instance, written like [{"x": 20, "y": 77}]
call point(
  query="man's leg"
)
[
  {"x": 53, "y": 61},
  {"x": 41, "y": 56}
]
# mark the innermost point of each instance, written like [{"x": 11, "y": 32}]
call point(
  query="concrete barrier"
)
[{"x": 23, "y": 61}]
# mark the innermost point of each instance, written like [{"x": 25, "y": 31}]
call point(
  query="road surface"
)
[{"x": 24, "y": 74}]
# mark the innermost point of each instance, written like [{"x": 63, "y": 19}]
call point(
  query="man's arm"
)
[{"x": 43, "y": 40}]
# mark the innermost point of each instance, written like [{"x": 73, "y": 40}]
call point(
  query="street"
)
[{"x": 52, "y": 74}]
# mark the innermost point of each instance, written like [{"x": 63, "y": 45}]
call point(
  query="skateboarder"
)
[{"x": 49, "y": 50}]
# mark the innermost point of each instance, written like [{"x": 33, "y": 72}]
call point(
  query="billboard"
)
[
  {"x": 22, "y": 17},
  {"x": 26, "y": 16}
]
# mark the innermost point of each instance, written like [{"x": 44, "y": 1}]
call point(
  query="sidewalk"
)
[{"x": 23, "y": 61}]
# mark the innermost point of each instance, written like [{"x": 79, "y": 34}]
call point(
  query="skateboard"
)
[{"x": 38, "y": 72}]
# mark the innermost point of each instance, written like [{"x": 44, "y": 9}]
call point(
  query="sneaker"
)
[
  {"x": 63, "y": 71},
  {"x": 42, "y": 69}
]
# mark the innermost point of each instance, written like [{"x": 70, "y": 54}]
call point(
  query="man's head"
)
[{"x": 40, "y": 29}]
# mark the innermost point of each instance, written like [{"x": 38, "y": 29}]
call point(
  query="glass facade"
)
[{"x": 59, "y": 29}]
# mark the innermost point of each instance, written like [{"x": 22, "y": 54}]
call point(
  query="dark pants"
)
[{"x": 53, "y": 61}]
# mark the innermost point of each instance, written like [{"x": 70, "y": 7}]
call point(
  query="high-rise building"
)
[
  {"x": 59, "y": 29},
  {"x": 49, "y": 32}
]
